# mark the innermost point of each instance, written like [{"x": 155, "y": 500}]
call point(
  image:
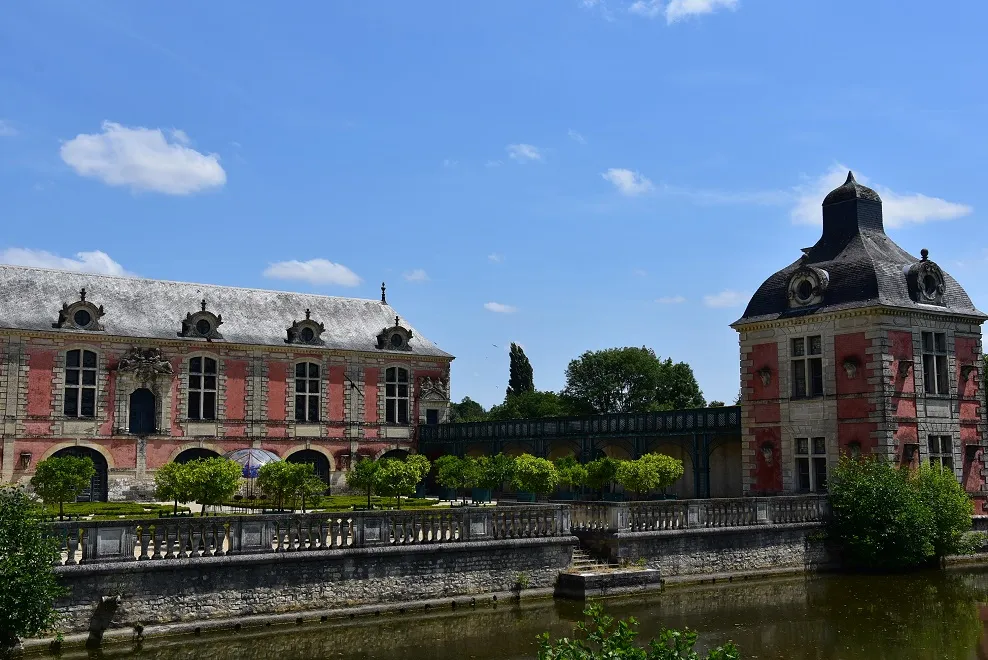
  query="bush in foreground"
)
[
  {"x": 603, "y": 638},
  {"x": 891, "y": 518}
]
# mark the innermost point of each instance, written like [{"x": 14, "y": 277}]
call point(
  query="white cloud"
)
[
  {"x": 675, "y": 10},
  {"x": 726, "y": 298},
  {"x": 7, "y": 129},
  {"x": 84, "y": 262},
  {"x": 313, "y": 271},
  {"x": 523, "y": 153},
  {"x": 576, "y": 137},
  {"x": 670, "y": 300},
  {"x": 144, "y": 159},
  {"x": 417, "y": 275},
  {"x": 897, "y": 209},
  {"x": 499, "y": 308},
  {"x": 627, "y": 182},
  {"x": 495, "y": 258}
]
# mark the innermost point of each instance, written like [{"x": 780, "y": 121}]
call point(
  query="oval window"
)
[
  {"x": 397, "y": 340},
  {"x": 203, "y": 327},
  {"x": 82, "y": 318},
  {"x": 930, "y": 285},
  {"x": 307, "y": 335},
  {"x": 804, "y": 290}
]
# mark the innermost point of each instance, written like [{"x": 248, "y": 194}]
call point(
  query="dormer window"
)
[
  {"x": 202, "y": 324},
  {"x": 926, "y": 281},
  {"x": 807, "y": 285},
  {"x": 80, "y": 315},
  {"x": 305, "y": 331},
  {"x": 395, "y": 338}
]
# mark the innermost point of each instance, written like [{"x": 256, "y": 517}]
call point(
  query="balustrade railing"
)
[
  {"x": 665, "y": 515},
  {"x": 93, "y": 542}
]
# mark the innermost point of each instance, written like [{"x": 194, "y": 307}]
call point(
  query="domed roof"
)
[{"x": 851, "y": 189}]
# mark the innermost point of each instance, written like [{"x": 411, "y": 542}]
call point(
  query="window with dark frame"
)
[
  {"x": 811, "y": 465},
  {"x": 935, "y": 363},
  {"x": 306, "y": 392},
  {"x": 80, "y": 383},
  {"x": 431, "y": 416},
  {"x": 202, "y": 388},
  {"x": 396, "y": 395},
  {"x": 807, "y": 367},
  {"x": 941, "y": 450}
]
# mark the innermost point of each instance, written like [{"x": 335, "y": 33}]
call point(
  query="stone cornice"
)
[{"x": 874, "y": 310}]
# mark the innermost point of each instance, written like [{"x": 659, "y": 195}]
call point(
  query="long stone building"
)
[
  {"x": 859, "y": 348},
  {"x": 135, "y": 373}
]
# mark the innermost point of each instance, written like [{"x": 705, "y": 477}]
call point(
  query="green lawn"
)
[
  {"x": 109, "y": 510},
  {"x": 335, "y": 503}
]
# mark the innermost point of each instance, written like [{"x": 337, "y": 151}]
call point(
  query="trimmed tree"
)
[
  {"x": 571, "y": 473},
  {"x": 171, "y": 482},
  {"x": 601, "y": 473},
  {"x": 29, "y": 584},
  {"x": 363, "y": 476},
  {"x": 61, "y": 479},
  {"x": 449, "y": 472},
  {"x": 295, "y": 483},
  {"x": 520, "y": 377},
  {"x": 212, "y": 481},
  {"x": 535, "y": 475},
  {"x": 648, "y": 473},
  {"x": 397, "y": 478},
  {"x": 495, "y": 471}
]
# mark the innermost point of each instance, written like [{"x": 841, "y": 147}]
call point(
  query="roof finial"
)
[
  {"x": 925, "y": 254},
  {"x": 396, "y": 321},
  {"x": 384, "y": 296},
  {"x": 203, "y": 303},
  {"x": 82, "y": 294},
  {"x": 308, "y": 313},
  {"x": 850, "y": 178}
]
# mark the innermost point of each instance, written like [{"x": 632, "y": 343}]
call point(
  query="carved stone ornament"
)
[
  {"x": 766, "y": 375},
  {"x": 80, "y": 315},
  {"x": 306, "y": 331},
  {"x": 434, "y": 388},
  {"x": 202, "y": 324},
  {"x": 966, "y": 371},
  {"x": 905, "y": 366},
  {"x": 395, "y": 338},
  {"x": 807, "y": 286},
  {"x": 768, "y": 453},
  {"x": 851, "y": 365},
  {"x": 926, "y": 281},
  {"x": 145, "y": 363}
]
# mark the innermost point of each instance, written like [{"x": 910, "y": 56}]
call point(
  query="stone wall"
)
[{"x": 241, "y": 585}]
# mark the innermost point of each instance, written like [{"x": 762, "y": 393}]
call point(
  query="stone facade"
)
[{"x": 255, "y": 389}]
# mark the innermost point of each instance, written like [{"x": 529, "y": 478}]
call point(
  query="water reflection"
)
[{"x": 923, "y": 616}]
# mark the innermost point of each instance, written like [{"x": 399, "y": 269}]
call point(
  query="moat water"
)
[{"x": 935, "y": 615}]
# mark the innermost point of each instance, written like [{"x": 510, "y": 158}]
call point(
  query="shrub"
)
[
  {"x": 535, "y": 475},
  {"x": 648, "y": 473},
  {"x": 29, "y": 585},
  {"x": 61, "y": 479},
  {"x": 889, "y": 518},
  {"x": 292, "y": 484},
  {"x": 212, "y": 480},
  {"x": 601, "y": 472},
  {"x": 605, "y": 639},
  {"x": 571, "y": 473},
  {"x": 363, "y": 476}
]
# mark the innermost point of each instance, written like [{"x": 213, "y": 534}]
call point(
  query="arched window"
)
[
  {"x": 202, "y": 388},
  {"x": 396, "y": 395},
  {"x": 80, "y": 384},
  {"x": 306, "y": 392}
]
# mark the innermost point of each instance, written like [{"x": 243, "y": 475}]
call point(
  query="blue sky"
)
[{"x": 567, "y": 174}]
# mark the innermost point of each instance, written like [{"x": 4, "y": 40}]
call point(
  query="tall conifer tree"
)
[{"x": 520, "y": 378}]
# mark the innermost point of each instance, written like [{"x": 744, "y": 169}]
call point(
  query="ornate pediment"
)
[
  {"x": 80, "y": 315},
  {"x": 145, "y": 363},
  {"x": 434, "y": 388},
  {"x": 395, "y": 338},
  {"x": 202, "y": 324}
]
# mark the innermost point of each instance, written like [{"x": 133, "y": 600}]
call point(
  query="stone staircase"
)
[{"x": 583, "y": 562}]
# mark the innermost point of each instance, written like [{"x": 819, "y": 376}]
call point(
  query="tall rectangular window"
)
[
  {"x": 941, "y": 450},
  {"x": 811, "y": 465},
  {"x": 935, "y": 363},
  {"x": 396, "y": 395},
  {"x": 306, "y": 392},
  {"x": 202, "y": 388},
  {"x": 807, "y": 366},
  {"x": 80, "y": 384}
]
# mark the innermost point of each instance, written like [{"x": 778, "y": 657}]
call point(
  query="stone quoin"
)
[
  {"x": 136, "y": 373},
  {"x": 859, "y": 348}
]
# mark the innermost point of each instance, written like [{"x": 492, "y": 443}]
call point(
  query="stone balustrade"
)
[
  {"x": 96, "y": 542},
  {"x": 664, "y": 515}
]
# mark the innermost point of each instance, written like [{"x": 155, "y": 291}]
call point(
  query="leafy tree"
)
[
  {"x": 294, "y": 483},
  {"x": 396, "y": 478},
  {"x": 449, "y": 472},
  {"x": 604, "y": 639},
  {"x": 29, "y": 586},
  {"x": 571, "y": 473},
  {"x": 529, "y": 405},
  {"x": 421, "y": 464},
  {"x": 878, "y": 517},
  {"x": 467, "y": 410},
  {"x": 520, "y": 377},
  {"x": 171, "y": 482},
  {"x": 535, "y": 475},
  {"x": 950, "y": 509},
  {"x": 495, "y": 470},
  {"x": 648, "y": 473},
  {"x": 716, "y": 404},
  {"x": 213, "y": 480},
  {"x": 631, "y": 380},
  {"x": 61, "y": 479},
  {"x": 602, "y": 472},
  {"x": 363, "y": 476}
]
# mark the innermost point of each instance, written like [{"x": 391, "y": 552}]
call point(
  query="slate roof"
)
[
  {"x": 30, "y": 299},
  {"x": 865, "y": 267}
]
